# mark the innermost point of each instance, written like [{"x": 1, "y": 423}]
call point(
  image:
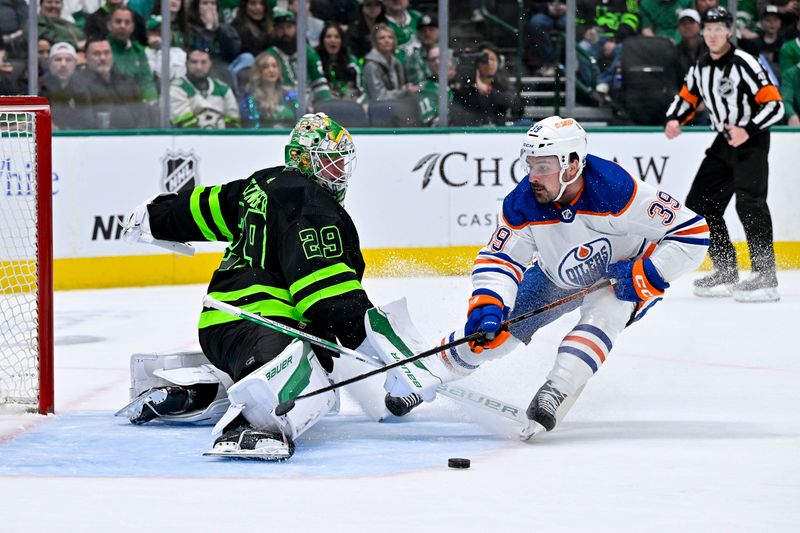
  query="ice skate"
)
[
  {"x": 542, "y": 410},
  {"x": 760, "y": 287},
  {"x": 248, "y": 443},
  {"x": 403, "y": 405},
  {"x": 157, "y": 402},
  {"x": 718, "y": 284}
]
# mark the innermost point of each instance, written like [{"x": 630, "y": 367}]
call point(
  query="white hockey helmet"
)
[{"x": 556, "y": 136}]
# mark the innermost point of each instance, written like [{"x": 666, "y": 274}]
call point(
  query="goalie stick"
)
[
  {"x": 285, "y": 407},
  {"x": 457, "y": 393}
]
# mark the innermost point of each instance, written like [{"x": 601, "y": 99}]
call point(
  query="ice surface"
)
[{"x": 692, "y": 425}]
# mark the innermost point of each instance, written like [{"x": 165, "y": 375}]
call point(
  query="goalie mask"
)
[
  {"x": 321, "y": 148},
  {"x": 555, "y": 136}
]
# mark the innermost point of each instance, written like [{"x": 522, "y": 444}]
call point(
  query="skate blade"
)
[
  {"x": 132, "y": 408},
  {"x": 531, "y": 430},
  {"x": 757, "y": 296},
  {"x": 263, "y": 454},
  {"x": 720, "y": 291}
]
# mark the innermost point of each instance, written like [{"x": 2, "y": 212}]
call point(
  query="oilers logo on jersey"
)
[{"x": 585, "y": 264}]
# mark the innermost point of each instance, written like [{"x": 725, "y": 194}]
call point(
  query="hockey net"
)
[{"x": 26, "y": 289}]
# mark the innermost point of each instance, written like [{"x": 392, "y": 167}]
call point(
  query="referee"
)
[{"x": 743, "y": 103}]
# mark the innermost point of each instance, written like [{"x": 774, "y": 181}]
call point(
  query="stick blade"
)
[{"x": 284, "y": 407}]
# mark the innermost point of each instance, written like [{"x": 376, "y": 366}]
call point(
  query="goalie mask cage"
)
[{"x": 26, "y": 254}]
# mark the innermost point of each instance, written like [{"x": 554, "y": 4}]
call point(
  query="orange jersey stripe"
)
[
  {"x": 586, "y": 342},
  {"x": 693, "y": 231},
  {"x": 649, "y": 251},
  {"x": 768, "y": 94},
  {"x": 501, "y": 262},
  {"x": 689, "y": 97}
]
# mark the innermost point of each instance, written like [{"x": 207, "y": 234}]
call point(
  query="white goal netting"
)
[{"x": 19, "y": 321}]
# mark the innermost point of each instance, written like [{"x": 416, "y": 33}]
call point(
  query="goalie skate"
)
[{"x": 246, "y": 443}]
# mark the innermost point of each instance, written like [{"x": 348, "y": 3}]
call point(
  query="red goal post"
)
[{"x": 26, "y": 254}]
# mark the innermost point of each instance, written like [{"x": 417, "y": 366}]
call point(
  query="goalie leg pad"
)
[
  {"x": 393, "y": 337},
  {"x": 294, "y": 372},
  {"x": 190, "y": 370}
]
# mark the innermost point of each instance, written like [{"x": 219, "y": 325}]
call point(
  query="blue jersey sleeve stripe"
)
[
  {"x": 597, "y": 332},
  {"x": 689, "y": 240},
  {"x": 498, "y": 270},
  {"x": 697, "y": 218},
  {"x": 580, "y": 355},
  {"x": 504, "y": 257}
]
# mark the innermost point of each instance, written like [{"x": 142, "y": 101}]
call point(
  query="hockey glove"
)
[
  {"x": 136, "y": 227},
  {"x": 486, "y": 313},
  {"x": 637, "y": 281}
]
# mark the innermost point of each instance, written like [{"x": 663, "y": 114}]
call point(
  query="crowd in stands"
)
[{"x": 233, "y": 63}]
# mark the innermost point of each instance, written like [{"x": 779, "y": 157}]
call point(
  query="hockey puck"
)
[{"x": 458, "y": 462}]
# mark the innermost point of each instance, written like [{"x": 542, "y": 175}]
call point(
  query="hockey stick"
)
[
  {"x": 459, "y": 394},
  {"x": 285, "y": 407}
]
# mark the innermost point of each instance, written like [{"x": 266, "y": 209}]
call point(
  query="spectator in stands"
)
[
  {"x": 97, "y": 25},
  {"x": 13, "y": 20},
  {"x": 790, "y": 52},
  {"x": 129, "y": 56},
  {"x": 359, "y": 34},
  {"x": 11, "y": 82},
  {"x": 313, "y": 24},
  {"x": 484, "y": 95},
  {"x": 43, "y": 47},
  {"x": 343, "y": 12},
  {"x": 228, "y": 10},
  {"x": 208, "y": 32},
  {"x": 78, "y": 11},
  {"x": 603, "y": 31},
  {"x": 178, "y": 22},
  {"x": 116, "y": 100},
  {"x": 790, "y": 92},
  {"x": 546, "y": 17},
  {"x": 403, "y": 22},
  {"x": 384, "y": 77},
  {"x": 197, "y": 100},
  {"x": 341, "y": 69},
  {"x": 768, "y": 41},
  {"x": 56, "y": 29},
  {"x": 267, "y": 102},
  {"x": 416, "y": 64},
  {"x": 692, "y": 44},
  {"x": 428, "y": 96},
  {"x": 154, "y": 50},
  {"x": 285, "y": 49},
  {"x": 253, "y": 23},
  {"x": 701, "y": 6},
  {"x": 70, "y": 101},
  {"x": 660, "y": 18}
]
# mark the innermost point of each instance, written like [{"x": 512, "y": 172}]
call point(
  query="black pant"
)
[
  {"x": 238, "y": 348},
  {"x": 743, "y": 171}
]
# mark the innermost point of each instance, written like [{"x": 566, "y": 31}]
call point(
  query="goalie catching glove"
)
[
  {"x": 486, "y": 313},
  {"x": 637, "y": 281}
]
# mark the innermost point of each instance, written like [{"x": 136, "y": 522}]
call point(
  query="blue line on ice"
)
[{"x": 96, "y": 444}]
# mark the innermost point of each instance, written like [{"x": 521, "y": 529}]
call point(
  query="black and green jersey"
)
[{"x": 294, "y": 252}]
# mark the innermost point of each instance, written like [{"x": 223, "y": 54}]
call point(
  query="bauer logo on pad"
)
[{"x": 180, "y": 172}]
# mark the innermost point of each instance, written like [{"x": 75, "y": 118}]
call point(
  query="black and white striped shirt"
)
[{"x": 736, "y": 90}]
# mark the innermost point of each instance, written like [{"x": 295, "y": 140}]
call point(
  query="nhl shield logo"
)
[{"x": 180, "y": 172}]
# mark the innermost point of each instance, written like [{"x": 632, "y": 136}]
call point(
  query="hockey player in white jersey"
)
[{"x": 573, "y": 220}]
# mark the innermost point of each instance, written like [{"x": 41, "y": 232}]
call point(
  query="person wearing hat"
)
[
  {"x": 414, "y": 58},
  {"x": 660, "y": 18},
  {"x": 70, "y": 101},
  {"x": 768, "y": 40},
  {"x": 691, "y": 45},
  {"x": 285, "y": 49}
]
